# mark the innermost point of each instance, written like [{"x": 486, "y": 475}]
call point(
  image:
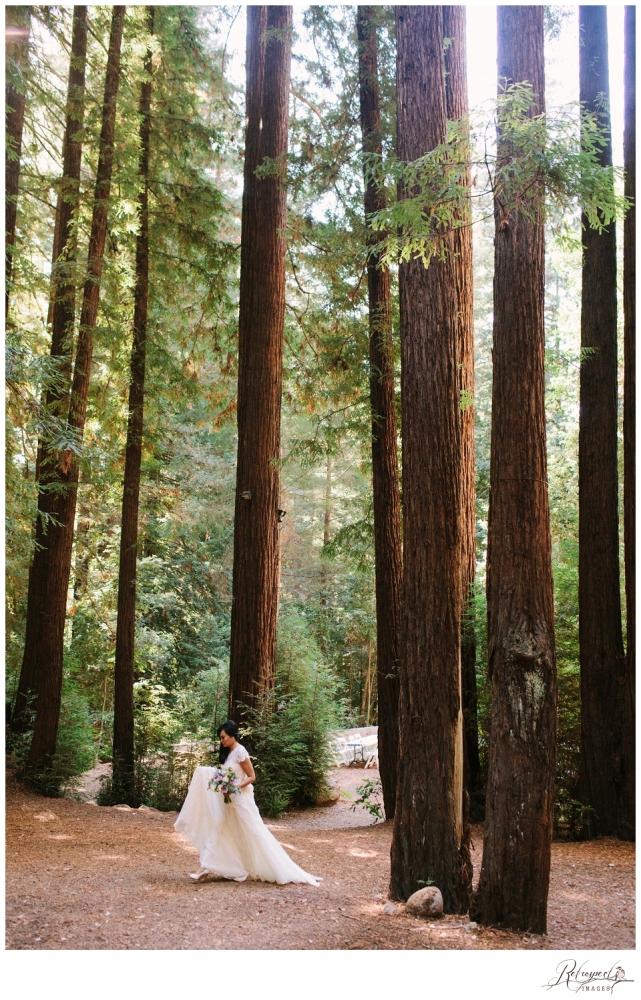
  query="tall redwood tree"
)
[
  {"x": 62, "y": 307},
  {"x": 50, "y": 639},
  {"x": 457, "y": 108},
  {"x": 17, "y": 25},
  {"x": 602, "y": 656},
  {"x": 260, "y": 357},
  {"x": 514, "y": 880},
  {"x": 429, "y": 841},
  {"x": 387, "y": 507},
  {"x": 123, "y": 736},
  {"x": 627, "y": 822}
]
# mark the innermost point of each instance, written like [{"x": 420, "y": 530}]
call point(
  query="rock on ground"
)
[{"x": 426, "y": 903}]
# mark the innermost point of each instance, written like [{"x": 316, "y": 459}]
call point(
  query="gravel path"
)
[{"x": 80, "y": 876}]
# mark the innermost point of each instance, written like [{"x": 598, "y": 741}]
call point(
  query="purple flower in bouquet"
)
[{"x": 224, "y": 782}]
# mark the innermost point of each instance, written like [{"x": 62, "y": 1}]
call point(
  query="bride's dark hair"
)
[{"x": 231, "y": 729}]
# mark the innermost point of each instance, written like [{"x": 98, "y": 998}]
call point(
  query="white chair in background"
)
[
  {"x": 370, "y": 751},
  {"x": 343, "y": 754}
]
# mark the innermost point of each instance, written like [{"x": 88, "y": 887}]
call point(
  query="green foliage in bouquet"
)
[{"x": 225, "y": 782}]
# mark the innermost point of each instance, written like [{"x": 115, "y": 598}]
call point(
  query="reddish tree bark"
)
[
  {"x": 60, "y": 536},
  {"x": 17, "y": 25},
  {"x": 602, "y": 657},
  {"x": 387, "y": 508},
  {"x": 62, "y": 314},
  {"x": 260, "y": 356},
  {"x": 82, "y": 563},
  {"x": 123, "y": 737},
  {"x": 327, "y": 523},
  {"x": 63, "y": 298},
  {"x": 627, "y": 822},
  {"x": 513, "y": 886},
  {"x": 429, "y": 841},
  {"x": 457, "y": 108}
]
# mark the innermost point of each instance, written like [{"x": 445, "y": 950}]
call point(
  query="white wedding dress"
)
[{"x": 231, "y": 837}]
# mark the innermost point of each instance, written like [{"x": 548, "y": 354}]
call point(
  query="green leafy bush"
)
[
  {"x": 571, "y": 817},
  {"x": 370, "y": 796},
  {"x": 165, "y": 760},
  {"x": 75, "y": 748},
  {"x": 288, "y": 733},
  {"x": 202, "y": 706}
]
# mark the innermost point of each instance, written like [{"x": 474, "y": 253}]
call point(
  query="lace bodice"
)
[{"x": 236, "y": 756}]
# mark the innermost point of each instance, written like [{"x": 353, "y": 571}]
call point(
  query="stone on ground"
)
[
  {"x": 426, "y": 903},
  {"x": 330, "y": 795}
]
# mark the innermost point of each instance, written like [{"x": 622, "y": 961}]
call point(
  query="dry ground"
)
[{"x": 80, "y": 876}]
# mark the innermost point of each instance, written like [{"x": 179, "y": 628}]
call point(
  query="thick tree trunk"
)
[
  {"x": 627, "y": 824},
  {"x": 62, "y": 314},
  {"x": 260, "y": 354},
  {"x": 457, "y": 108},
  {"x": 429, "y": 839},
  {"x": 60, "y": 536},
  {"x": 63, "y": 298},
  {"x": 327, "y": 519},
  {"x": 17, "y": 25},
  {"x": 123, "y": 738},
  {"x": 514, "y": 881},
  {"x": 327, "y": 522},
  {"x": 82, "y": 563},
  {"x": 600, "y": 637},
  {"x": 387, "y": 508}
]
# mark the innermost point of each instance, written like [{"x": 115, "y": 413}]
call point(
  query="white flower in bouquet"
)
[{"x": 224, "y": 782}]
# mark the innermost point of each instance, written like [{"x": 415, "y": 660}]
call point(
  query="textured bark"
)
[
  {"x": 627, "y": 824},
  {"x": 17, "y": 25},
  {"x": 123, "y": 737},
  {"x": 260, "y": 354},
  {"x": 387, "y": 508},
  {"x": 327, "y": 522},
  {"x": 429, "y": 840},
  {"x": 82, "y": 562},
  {"x": 62, "y": 314},
  {"x": 60, "y": 536},
  {"x": 327, "y": 519},
  {"x": 514, "y": 882},
  {"x": 63, "y": 298},
  {"x": 457, "y": 108},
  {"x": 600, "y": 637}
]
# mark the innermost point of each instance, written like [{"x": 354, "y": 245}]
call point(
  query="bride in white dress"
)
[{"x": 231, "y": 837}]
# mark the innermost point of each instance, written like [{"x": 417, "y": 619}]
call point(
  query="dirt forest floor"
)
[{"x": 81, "y": 876}]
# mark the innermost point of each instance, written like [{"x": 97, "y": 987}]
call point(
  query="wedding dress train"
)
[{"x": 231, "y": 837}]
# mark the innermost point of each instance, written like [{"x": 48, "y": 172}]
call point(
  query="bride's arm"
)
[{"x": 248, "y": 768}]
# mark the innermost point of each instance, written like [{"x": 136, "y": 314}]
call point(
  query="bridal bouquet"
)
[{"x": 225, "y": 782}]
